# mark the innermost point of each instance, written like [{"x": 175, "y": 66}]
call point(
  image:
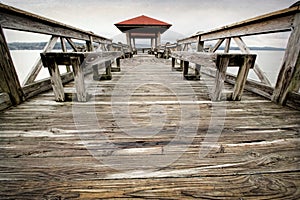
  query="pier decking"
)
[{"x": 50, "y": 150}]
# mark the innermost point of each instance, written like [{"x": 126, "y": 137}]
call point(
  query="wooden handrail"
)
[{"x": 16, "y": 19}]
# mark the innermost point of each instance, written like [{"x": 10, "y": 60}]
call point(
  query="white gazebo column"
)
[
  {"x": 158, "y": 38},
  {"x": 128, "y": 38},
  {"x": 152, "y": 43},
  {"x": 133, "y": 42}
]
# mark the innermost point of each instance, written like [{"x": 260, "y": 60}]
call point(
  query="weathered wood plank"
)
[
  {"x": 288, "y": 79},
  {"x": 9, "y": 81},
  {"x": 79, "y": 79},
  {"x": 242, "y": 77},
  {"x": 260, "y": 74},
  {"x": 43, "y": 85},
  {"x": 56, "y": 82},
  {"x": 277, "y": 21},
  {"x": 38, "y": 64},
  {"x": 13, "y": 18},
  {"x": 4, "y": 101},
  {"x": 222, "y": 64},
  {"x": 64, "y": 49},
  {"x": 44, "y": 156}
]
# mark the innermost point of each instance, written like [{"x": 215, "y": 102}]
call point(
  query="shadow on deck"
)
[{"x": 149, "y": 133}]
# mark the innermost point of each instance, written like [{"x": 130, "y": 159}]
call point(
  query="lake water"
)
[{"x": 269, "y": 62}]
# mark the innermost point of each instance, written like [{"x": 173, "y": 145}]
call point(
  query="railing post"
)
[
  {"x": 64, "y": 49},
  {"x": 288, "y": 79},
  {"x": 9, "y": 81}
]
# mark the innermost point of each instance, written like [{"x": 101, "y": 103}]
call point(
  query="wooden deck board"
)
[{"x": 45, "y": 154}]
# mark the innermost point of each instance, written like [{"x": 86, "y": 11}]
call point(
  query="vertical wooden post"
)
[
  {"x": 118, "y": 66},
  {"x": 200, "y": 44},
  {"x": 181, "y": 65},
  {"x": 227, "y": 45},
  {"x": 221, "y": 64},
  {"x": 95, "y": 72},
  {"x": 78, "y": 79},
  {"x": 185, "y": 68},
  {"x": 173, "y": 63},
  {"x": 200, "y": 48},
  {"x": 241, "y": 79},
  {"x": 288, "y": 79},
  {"x": 9, "y": 81},
  {"x": 108, "y": 69},
  {"x": 197, "y": 71},
  {"x": 64, "y": 49},
  {"x": 89, "y": 44},
  {"x": 56, "y": 82}
]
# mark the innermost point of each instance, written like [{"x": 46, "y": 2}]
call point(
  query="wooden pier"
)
[{"x": 148, "y": 131}]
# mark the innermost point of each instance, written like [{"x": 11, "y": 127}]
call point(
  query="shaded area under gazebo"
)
[{"x": 143, "y": 27}]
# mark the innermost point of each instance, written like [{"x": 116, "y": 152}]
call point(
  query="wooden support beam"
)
[
  {"x": 56, "y": 82},
  {"x": 227, "y": 45},
  {"x": 89, "y": 44},
  {"x": 9, "y": 81},
  {"x": 222, "y": 63},
  {"x": 173, "y": 64},
  {"x": 259, "y": 72},
  {"x": 200, "y": 45},
  {"x": 241, "y": 79},
  {"x": 217, "y": 45},
  {"x": 118, "y": 65},
  {"x": 79, "y": 79},
  {"x": 185, "y": 68},
  {"x": 288, "y": 79},
  {"x": 38, "y": 64},
  {"x": 72, "y": 44},
  {"x": 64, "y": 49}
]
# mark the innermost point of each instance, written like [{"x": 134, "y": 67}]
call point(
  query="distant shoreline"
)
[{"x": 41, "y": 45}]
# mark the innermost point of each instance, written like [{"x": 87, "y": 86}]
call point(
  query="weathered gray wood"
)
[
  {"x": 13, "y": 18},
  {"x": 185, "y": 68},
  {"x": 288, "y": 79},
  {"x": 45, "y": 157},
  {"x": 79, "y": 79},
  {"x": 64, "y": 49},
  {"x": 56, "y": 81},
  {"x": 34, "y": 72},
  {"x": 43, "y": 85},
  {"x": 222, "y": 64},
  {"x": 244, "y": 49},
  {"x": 227, "y": 45},
  {"x": 242, "y": 77},
  {"x": 217, "y": 45},
  {"x": 118, "y": 65},
  {"x": 72, "y": 44},
  {"x": 4, "y": 101},
  {"x": 9, "y": 81},
  {"x": 277, "y": 21},
  {"x": 89, "y": 44},
  {"x": 201, "y": 58}
]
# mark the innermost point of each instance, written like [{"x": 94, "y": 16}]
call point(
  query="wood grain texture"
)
[{"x": 44, "y": 154}]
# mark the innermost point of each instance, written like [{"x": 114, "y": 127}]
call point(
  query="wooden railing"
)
[
  {"x": 286, "y": 20},
  {"x": 12, "y": 92}
]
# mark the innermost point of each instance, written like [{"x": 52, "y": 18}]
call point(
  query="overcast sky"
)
[{"x": 186, "y": 16}]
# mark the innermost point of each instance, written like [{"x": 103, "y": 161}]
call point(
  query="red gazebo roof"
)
[
  {"x": 143, "y": 20},
  {"x": 143, "y": 24}
]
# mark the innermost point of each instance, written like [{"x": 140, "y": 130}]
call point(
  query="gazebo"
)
[{"x": 143, "y": 27}]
